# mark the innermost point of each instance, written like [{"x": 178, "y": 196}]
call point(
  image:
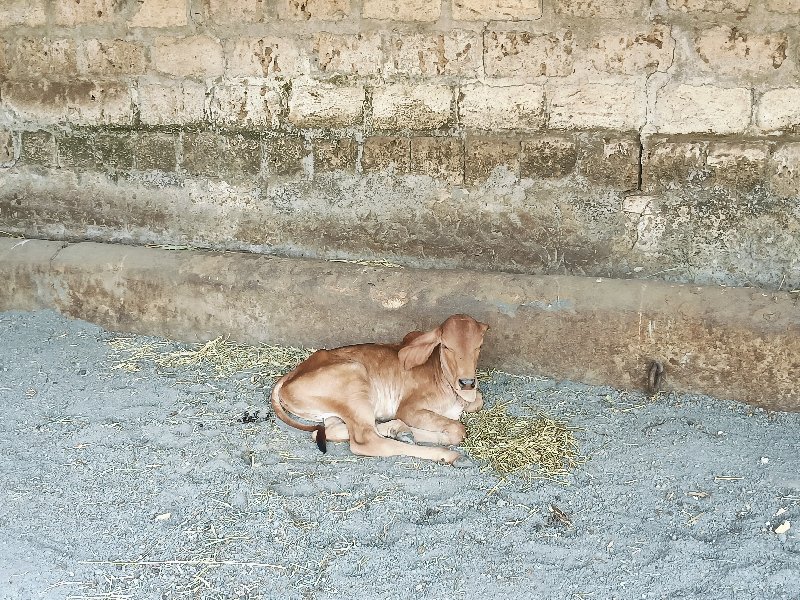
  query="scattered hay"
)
[
  {"x": 222, "y": 357},
  {"x": 227, "y": 358},
  {"x": 130, "y": 353},
  {"x": 532, "y": 447}
]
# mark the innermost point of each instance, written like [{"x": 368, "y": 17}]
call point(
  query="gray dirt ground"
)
[{"x": 137, "y": 485}]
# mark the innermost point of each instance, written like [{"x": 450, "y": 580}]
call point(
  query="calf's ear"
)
[{"x": 417, "y": 350}]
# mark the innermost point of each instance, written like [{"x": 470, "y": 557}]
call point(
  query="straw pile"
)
[
  {"x": 219, "y": 356},
  {"x": 532, "y": 447},
  {"x": 227, "y": 358}
]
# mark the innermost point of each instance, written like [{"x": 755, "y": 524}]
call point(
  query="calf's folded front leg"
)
[
  {"x": 452, "y": 432},
  {"x": 366, "y": 439},
  {"x": 371, "y": 443}
]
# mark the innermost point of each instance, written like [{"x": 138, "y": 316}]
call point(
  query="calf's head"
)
[{"x": 459, "y": 340}]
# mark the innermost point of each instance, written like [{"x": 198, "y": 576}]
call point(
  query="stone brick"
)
[
  {"x": 325, "y": 10},
  {"x": 160, "y": 13},
  {"x": 86, "y": 12},
  {"x": 171, "y": 103},
  {"x": 711, "y": 6},
  {"x": 732, "y": 51},
  {"x": 227, "y": 157},
  {"x": 779, "y": 110},
  {"x": 646, "y": 224},
  {"x": 284, "y": 155},
  {"x": 404, "y": 106},
  {"x": 38, "y": 148},
  {"x": 403, "y": 10},
  {"x": 441, "y": 158},
  {"x": 360, "y": 54},
  {"x": 77, "y": 102},
  {"x": 610, "y": 161},
  {"x": 482, "y": 155},
  {"x": 245, "y": 107},
  {"x": 113, "y": 57},
  {"x": 114, "y": 151},
  {"x": 386, "y": 154},
  {"x": 6, "y": 147},
  {"x": 510, "y": 107},
  {"x": 334, "y": 155},
  {"x": 496, "y": 10},
  {"x": 547, "y": 157},
  {"x": 673, "y": 165},
  {"x": 790, "y": 7},
  {"x": 76, "y": 152},
  {"x": 90, "y": 151},
  {"x": 28, "y": 13},
  {"x": 737, "y": 165},
  {"x": 784, "y": 171},
  {"x": 523, "y": 54},
  {"x": 264, "y": 57},
  {"x": 318, "y": 104},
  {"x": 194, "y": 56},
  {"x": 455, "y": 52},
  {"x": 702, "y": 109},
  {"x": 155, "y": 152},
  {"x": 600, "y": 8},
  {"x": 233, "y": 12},
  {"x": 33, "y": 57},
  {"x": 631, "y": 53},
  {"x": 598, "y": 106}
]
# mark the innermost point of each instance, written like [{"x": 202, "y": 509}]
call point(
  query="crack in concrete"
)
[
  {"x": 641, "y": 164},
  {"x": 651, "y": 96}
]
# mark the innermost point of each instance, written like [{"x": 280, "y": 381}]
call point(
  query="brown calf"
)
[{"x": 385, "y": 397}]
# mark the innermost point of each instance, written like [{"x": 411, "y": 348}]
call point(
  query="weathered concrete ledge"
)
[{"x": 737, "y": 343}]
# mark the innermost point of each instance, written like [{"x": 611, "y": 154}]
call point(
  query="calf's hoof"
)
[
  {"x": 462, "y": 462},
  {"x": 406, "y": 437}
]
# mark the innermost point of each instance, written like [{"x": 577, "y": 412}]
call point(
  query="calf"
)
[{"x": 385, "y": 397}]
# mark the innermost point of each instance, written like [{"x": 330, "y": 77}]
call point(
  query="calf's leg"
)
[{"x": 453, "y": 431}]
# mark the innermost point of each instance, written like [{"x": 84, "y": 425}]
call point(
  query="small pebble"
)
[{"x": 783, "y": 527}]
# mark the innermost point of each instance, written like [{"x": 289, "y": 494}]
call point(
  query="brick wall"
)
[{"x": 630, "y": 139}]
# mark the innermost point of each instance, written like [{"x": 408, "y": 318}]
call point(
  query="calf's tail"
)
[{"x": 281, "y": 413}]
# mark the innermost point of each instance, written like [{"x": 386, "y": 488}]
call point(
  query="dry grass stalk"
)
[
  {"x": 197, "y": 562},
  {"x": 368, "y": 263},
  {"x": 532, "y": 447}
]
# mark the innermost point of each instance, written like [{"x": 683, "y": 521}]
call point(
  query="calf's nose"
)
[{"x": 467, "y": 384}]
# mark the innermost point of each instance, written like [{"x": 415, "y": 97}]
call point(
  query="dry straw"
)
[
  {"x": 222, "y": 357},
  {"x": 532, "y": 447}
]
